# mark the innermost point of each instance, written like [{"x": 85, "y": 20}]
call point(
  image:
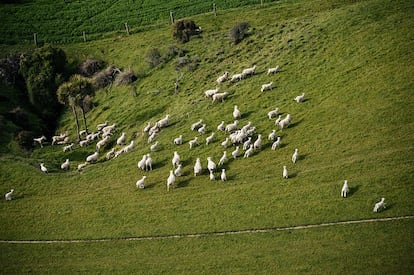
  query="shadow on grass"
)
[
  {"x": 353, "y": 190},
  {"x": 183, "y": 183}
]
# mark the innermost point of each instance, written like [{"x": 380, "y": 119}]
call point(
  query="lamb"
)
[
  {"x": 295, "y": 156},
  {"x": 154, "y": 129},
  {"x": 345, "y": 189},
  {"x": 83, "y": 133},
  {"x": 210, "y": 93},
  {"x": 225, "y": 143},
  {"x": 93, "y": 136},
  {"x": 176, "y": 159},
  {"x": 68, "y": 147},
  {"x": 129, "y": 147},
  {"x": 178, "y": 140},
  {"x": 247, "y": 143},
  {"x": 193, "y": 142},
  {"x": 66, "y": 165},
  {"x": 273, "y": 113},
  {"x": 197, "y": 167},
  {"x": 221, "y": 127},
  {"x": 121, "y": 140},
  {"x": 223, "y": 158},
  {"x": 300, "y": 98},
  {"x": 220, "y": 96},
  {"x": 236, "y": 77},
  {"x": 272, "y": 135},
  {"x": 210, "y": 138},
  {"x": 170, "y": 180},
  {"x": 249, "y": 152},
  {"x": 232, "y": 126},
  {"x": 223, "y": 175},
  {"x": 141, "y": 163},
  {"x": 152, "y": 137},
  {"x": 147, "y": 127},
  {"x": 236, "y": 112},
  {"x": 285, "y": 122},
  {"x": 249, "y": 71},
  {"x": 164, "y": 122},
  {"x": 92, "y": 158},
  {"x": 379, "y": 205},
  {"x": 58, "y": 138},
  {"x": 110, "y": 154},
  {"x": 102, "y": 143},
  {"x": 154, "y": 147},
  {"x": 211, "y": 166},
  {"x": 40, "y": 140},
  {"x": 258, "y": 143},
  {"x": 119, "y": 152},
  {"x": 99, "y": 127},
  {"x": 276, "y": 144},
  {"x": 202, "y": 129},
  {"x": 179, "y": 170},
  {"x": 82, "y": 165},
  {"x": 148, "y": 163},
  {"x": 83, "y": 143},
  {"x": 109, "y": 129},
  {"x": 212, "y": 177},
  {"x": 9, "y": 195},
  {"x": 272, "y": 70},
  {"x": 196, "y": 125},
  {"x": 140, "y": 183},
  {"x": 285, "y": 172},
  {"x": 236, "y": 152},
  {"x": 267, "y": 86},
  {"x": 222, "y": 78},
  {"x": 277, "y": 121},
  {"x": 43, "y": 168}
]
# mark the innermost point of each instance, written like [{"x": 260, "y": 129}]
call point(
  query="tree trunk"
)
[
  {"x": 84, "y": 119},
  {"x": 75, "y": 114}
]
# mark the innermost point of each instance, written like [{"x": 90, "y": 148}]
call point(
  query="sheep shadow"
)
[
  {"x": 150, "y": 186},
  {"x": 246, "y": 114},
  {"x": 353, "y": 190},
  {"x": 294, "y": 124},
  {"x": 183, "y": 183},
  {"x": 293, "y": 175},
  {"x": 302, "y": 156}
]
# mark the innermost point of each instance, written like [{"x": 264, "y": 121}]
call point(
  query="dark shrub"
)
[
  {"x": 184, "y": 29},
  {"x": 238, "y": 32},
  {"x": 9, "y": 69},
  {"x": 105, "y": 77},
  {"x": 90, "y": 66},
  {"x": 124, "y": 78},
  {"x": 154, "y": 58},
  {"x": 25, "y": 139}
]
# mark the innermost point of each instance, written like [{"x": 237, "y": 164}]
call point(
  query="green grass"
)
[{"x": 352, "y": 60}]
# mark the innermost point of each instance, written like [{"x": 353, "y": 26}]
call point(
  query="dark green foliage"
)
[
  {"x": 9, "y": 69},
  {"x": 184, "y": 29},
  {"x": 238, "y": 32},
  {"x": 90, "y": 66},
  {"x": 105, "y": 77},
  {"x": 25, "y": 139}
]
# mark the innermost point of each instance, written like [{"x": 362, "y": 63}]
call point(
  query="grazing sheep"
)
[
  {"x": 179, "y": 170},
  {"x": 83, "y": 143},
  {"x": 59, "y": 138},
  {"x": 232, "y": 126},
  {"x": 82, "y": 165},
  {"x": 102, "y": 143},
  {"x": 249, "y": 152},
  {"x": 276, "y": 143},
  {"x": 141, "y": 163},
  {"x": 92, "y": 158},
  {"x": 196, "y": 125},
  {"x": 272, "y": 135},
  {"x": 247, "y": 143},
  {"x": 152, "y": 137},
  {"x": 295, "y": 156},
  {"x": 110, "y": 154},
  {"x": 93, "y": 136},
  {"x": 119, "y": 152},
  {"x": 129, "y": 147},
  {"x": 64, "y": 141},
  {"x": 379, "y": 205},
  {"x": 223, "y": 158},
  {"x": 178, "y": 140},
  {"x": 148, "y": 163},
  {"x": 40, "y": 140},
  {"x": 193, "y": 142},
  {"x": 147, "y": 127},
  {"x": 345, "y": 189},
  {"x": 83, "y": 133},
  {"x": 258, "y": 143},
  {"x": 109, "y": 129},
  {"x": 220, "y": 96},
  {"x": 277, "y": 121},
  {"x": 140, "y": 183},
  {"x": 202, "y": 129},
  {"x": 170, "y": 180},
  {"x": 154, "y": 147},
  {"x": 236, "y": 112},
  {"x": 68, "y": 147},
  {"x": 212, "y": 177},
  {"x": 210, "y": 93},
  {"x": 164, "y": 122},
  {"x": 285, "y": 173},
  {"x": 225, "y": 143},
  {"x": 300, "y": 98},
  {"x": 9, "y": 195},
  {"x": 236, "y": 77},
  {"x": 66, "y": 165},
  {"x": 236, "y": 152},
  {"x": 249, "y": 71},
  {"x": 272, "y": 70},
  {"x": 154, "y": 129},
  {"x": 223, "y": 175},
  {"x": 210, "y": 138},
  {"x": 176, "y": 159},
  {"x": 43, "y": 168},
  {"x": 121, "y": 140},
  {"x": 221, "y": 127},
  {"x": 271, "y": 114},
  {"x": 285, "y": 122},
  {"x": 197, "y": 167},
  {"x": 99, "y": 127},
  {"x": 222, "y": 78},
  {"x": 211, "y": 166},
  {"x": 267, "y": 86}
]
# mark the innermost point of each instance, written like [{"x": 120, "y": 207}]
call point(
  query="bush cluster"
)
[
  {"x": 124, "y": 78},
  {"x": 238, "y": 32},
  {"x": 90, "y": 66},
  {"x": 184, "y": 29},
  {"x": 155, "y": 58},
  {"x": 105, "y": 77}
]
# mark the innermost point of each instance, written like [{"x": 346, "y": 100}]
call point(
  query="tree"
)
[
  {"x": 184, "y": 29},
  {"x": 238, "y": 32}
]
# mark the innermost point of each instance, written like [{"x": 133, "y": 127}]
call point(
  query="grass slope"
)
[{"x": 353, "y": 61}]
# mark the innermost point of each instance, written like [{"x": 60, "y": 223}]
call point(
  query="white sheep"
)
[
  {"x": 164, "y": 122},
  {"x": 266, "y": 86},
  {"x": 345, "y": 189},
  {"x": 59, "y": 138},
  {"x": 99, "y": 127},
  {"x": 232, "y": 126},
  {"x": 285, "y": 173},
  {"x": 202, "y": 129},
  {"x": 196, "y": 125},
  {"x": 109, "y": 129},
  {"x": 225, "y": 143},
  {"x": 236, "y": 112},
  {"x": 277, "y": 121},
  {"x": 379, "y": 205},
  {"x": 249, "y": 152},
  {"x": 68, "y": 147},
  {"x": 92, "y": 158},
  {"x": 220, "y": 96},
  {"x": 66, "y": 165},
  {"x": 176, "y": 159},
  {"x": 102, "y": 143},
  {"x": 178, "y": 140},
  {"x": 212, "y": 177},
  {"x": 110, "y": 154},
  {"x": 82, "y": 165},
  {"x": 119, "y": 152},
  {"x": 211, "y": 166},
  {"x": 83, "y": 133},
  {"x": 236, "y": 152},
  {"x": 276, "y": 144},
  {"x": 147, "y": 127},
  {"x": 247, "y": 143},
  {"x": 272, "y": 135},
  {"x": 40, "y": 140},
  {"x": 129, "y": 147},
  {"x": 148, "y": 163},
  {"x": 223, "y": 175},
  {"x": 295, "y": 156},
  {"x": 271, "y": 114},
  {"x": 43, "y": 168},
  {"x": 83, "y": 143},
  {"x": 170, "y": 180},
  {"x": 193, "y": 142},
  {"x": 197, "y": 167},
  {"x": 179, "y": 170},
  {"x": 272, "y": 70},
  {"x": 93, "y": 136},
  {"x": 300, "y": 98},
  {"x": 221, "y": 127},
  {"x": 210, "y": 138},
  {"x": 258, "y": 143},
  {"x": 152, "y": 137},
  {"x": 223, "y": 158},
  {"x": 154, "y": 147},
  {"x": 140, "y": 183},
  {"x": 210, "y": 93},
  {"x": 122, "y": 139},
  {"x": 154, "y": 129},
  {"x": 236, "y": 77},
  {"x": 222, "y": 78},
  {"x": 141, "y": 163},
  {"x": 249, "y": 71},
  {"x": 9, "y": 195},
  {"x": 285, "y": 122}
]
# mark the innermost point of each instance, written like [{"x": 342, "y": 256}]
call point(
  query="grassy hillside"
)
[{"x": 353, "y": 62}]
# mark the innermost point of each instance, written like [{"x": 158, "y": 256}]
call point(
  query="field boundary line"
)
[{"x": 208, "y": 234}]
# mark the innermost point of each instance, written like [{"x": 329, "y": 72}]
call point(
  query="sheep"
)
[
  {"x": 272, "y": 70},
  {"x": 300, "y": 98},
  {"x": 110, "y": 154},
  {"x": 164, "y": 122},
  {"x": 109, "y": 129},
  {"x": 129, "y": 147},
  {"x": 222, "y": 78},
  {"x": 66, "y": 165},
  {"x": 266, "y": 86},
  {"x": 40, "y": 140},
  {"x": 176, "y": 159},
  {"x": 284, "y": 123},
  {"x": 272, "y": 135},
  {"x": 223, "y": 158},
  {"x": 196, "y": 125},
  {"x": 249, "y": 71},
  {"x": 83, "y": 133},
  {"x": 236, "y": 112},
  {"x": 81, "y": 166},
  {"x": 223, "y": 175},
  {"x": 58, "y": 138},
  {"x": 99, "y": 127},
  {"x": 152, "y": 137},
  {"x": 119, "y": 152},
  {"x": 210, "y": 138},
  {"x": 179, "y": 170},
  {"x": 220, "y": 96},
  {"x": 236, "y": 152},
  {"x": 247, "y": 143},
  {"x": 277, "y": 121},
  {"x": 345, "y": 189},
  {"x": 221, "y": 127},
  {"x": 197, "y": 167},
  {"x": 225, "y": 143},
  {"x": 276, "y": 144},
  {"x": 232, "y": 126},
  {"x": 170, "y": 180},
  {"x": 212, "y": 177},
  {"x": 202, "y": 129},
  {"x": 102, "y": 143},
  {"x": 285, "y": 173},
  {"x": 121, "y": 140},
  {"x": 140, "y": 183},
  {"x": 273, "y": 113},
  {"x": 9, "y": 195},
  {"x": 249, "y": 152},
  {"x": 92, "y": 158},
  {"x": 147, "y": 127},
  {"x": 43, "y": 168},
  {"x": 258, "y": 143},
  {"x": 154, "y": 147},
  {"x": 211, "y": 166},
  {"x": 193, "y": 142},
  {"x": 64, "y": 141},
  {"x": 379, "y": 205},
  {"x": 141, "y": 163},
  {"x": 68, "y": 147},
  {"x": 236, "y": 77},
  {"x": 178, "y": 140},
  {"x": 83, "y": 143},
  {"x": 210, "y": 93},
  {"x": 148, "y": 163},
  {"x": 154, "y": 129},
  {"x": 295, "y": 156},
  {"x": 93, "y": 136}
]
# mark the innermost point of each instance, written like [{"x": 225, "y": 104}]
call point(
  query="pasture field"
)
[{"x": 353, "y": 61}]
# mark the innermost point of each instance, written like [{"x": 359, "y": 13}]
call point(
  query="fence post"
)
[
  {"x": 35, "y": 39},
  {"x": 172, "y": 17},
  {"x": 261, "y": 2},
  {"x": 84, "y": 37},
  {"x": 127, "y": 28},
  {"x": 214, "y": 9}
]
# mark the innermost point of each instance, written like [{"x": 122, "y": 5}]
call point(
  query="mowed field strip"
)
[{"x": 210, "y": 234}]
